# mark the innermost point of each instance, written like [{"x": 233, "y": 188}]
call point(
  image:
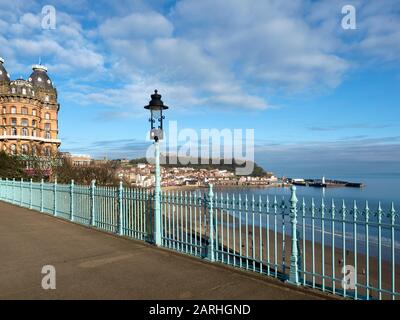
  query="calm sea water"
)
[{"x": 379, "y": 187}]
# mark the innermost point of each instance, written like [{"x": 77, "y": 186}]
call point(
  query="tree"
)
[
  {"x": 104, "y": 174},
  {"x": 11, "y": 167}
]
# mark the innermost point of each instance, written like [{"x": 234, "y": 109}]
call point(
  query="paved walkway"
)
[{"x": 91, "y": 264}]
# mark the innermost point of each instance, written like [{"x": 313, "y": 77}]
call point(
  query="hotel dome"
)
[
  {"x": 39, "y": 77},
  {"x": 4, "y": 76}
]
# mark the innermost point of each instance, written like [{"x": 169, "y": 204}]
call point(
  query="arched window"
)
[
  {"x": 24, "y": 148},
  {"x": 34, "y": 133},
  {"x": 24, "y": 132},
  {"x": 47, "y": 116},
  {"x": 47, "y": 135},
  {"x": 13, "y": 110},
  {"x": 24, "y": 122},
  {"x": 23, "y": 91},
  {"x": 47, "y": 99},
  {"x": 13, "y": 131}
]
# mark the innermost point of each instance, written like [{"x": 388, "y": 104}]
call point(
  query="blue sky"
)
[{"x": 322, "y": 100}]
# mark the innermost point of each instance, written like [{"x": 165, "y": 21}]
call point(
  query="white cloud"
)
[{"x": 137, "y": 25}]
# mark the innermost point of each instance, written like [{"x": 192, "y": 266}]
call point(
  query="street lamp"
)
[{"x": 156, "y": 107}]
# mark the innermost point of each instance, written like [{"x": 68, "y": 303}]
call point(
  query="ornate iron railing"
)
[{"x": 344, "y": 250}]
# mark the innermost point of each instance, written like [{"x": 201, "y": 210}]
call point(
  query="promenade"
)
[{"x": 91, "y": 264}]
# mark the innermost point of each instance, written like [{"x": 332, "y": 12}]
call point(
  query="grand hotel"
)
[{"x": 28, "y": 113}]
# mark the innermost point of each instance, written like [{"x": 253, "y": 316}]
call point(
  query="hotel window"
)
[
  {"x": 47, "y": 151},
  {"x": 13, "y": 121},
  {"x": 13, "y": 110},
  {"x": 23, "y": 91},
  {"x": 4, "y": 110},
  {"x": 12, "y": 90},
  {"x": 34, "y": 150},
  {"x": 33, "y": 123},
  {"x": 24, "y": 148},
  {"x": 13, "y": 131},
  {"x": 4, "y": 121},
  {"x": 47, "y": 126},
  {"x": 34, "y": 112},
  {"x": 24, "y": 122},
  {"x": 34, "y": 133},
  {"x": 47, "y": 135},
  {"x": 4, "y": 131},
  {"x": 24, "y": 132},
  {"x": 47, "y": 99},
  {"x": 13, "y": 149},
  {"x": 24, "y": 111},
  {"x": 47, "y": 116}
]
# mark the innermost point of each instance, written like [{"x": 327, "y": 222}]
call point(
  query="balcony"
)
[{"x": 29, "y": 138}]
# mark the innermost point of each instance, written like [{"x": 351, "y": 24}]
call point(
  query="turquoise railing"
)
[{"x": 339, "y": 249}]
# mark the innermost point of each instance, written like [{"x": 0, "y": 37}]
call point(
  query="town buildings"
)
[
  {"x": 142, "y": 175},
  {"x": 28, "y": 113}
]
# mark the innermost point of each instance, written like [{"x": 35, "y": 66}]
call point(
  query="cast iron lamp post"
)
[{"x": 156, "y": 107}]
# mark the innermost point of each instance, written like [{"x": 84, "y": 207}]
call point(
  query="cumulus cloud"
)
[
  {"x": 230, "y": 53},
  {"x": 137, "y": 25}
]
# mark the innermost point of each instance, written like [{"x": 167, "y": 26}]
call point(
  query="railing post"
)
[
  {"x": 7, "y": 193},
  {"x": 294, "y": 266},
  {"x": 120, "y": 208},
  {"x": 92, "y": 204},
  {"x": 8, "y": 196},
  {"x": 30, "y": 194},
  {"x": 41, "y": 195},
  {"x": 13, "y": 191},
  {"x": 211, "y": 248},
  {"x": 55, "y": 197},
  {"x": 71, "y": 200},
  {"x": 21, "y": 191}
]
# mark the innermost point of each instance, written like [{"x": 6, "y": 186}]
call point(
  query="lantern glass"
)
[{"x": 157, "y": 117}]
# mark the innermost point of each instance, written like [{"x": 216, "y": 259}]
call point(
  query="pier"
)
[{"x": 326, "y": 183}]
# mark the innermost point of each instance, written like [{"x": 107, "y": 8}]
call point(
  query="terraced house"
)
[{"x": 29, "y": 113}]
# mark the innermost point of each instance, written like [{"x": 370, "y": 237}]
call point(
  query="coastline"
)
[{"x": 218, "y": 187}]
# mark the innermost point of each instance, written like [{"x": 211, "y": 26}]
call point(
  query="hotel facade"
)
[{"x": 28, "y": 114}]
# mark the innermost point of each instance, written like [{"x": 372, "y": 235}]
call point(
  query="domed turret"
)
[
  {"x": 21, "y": 87},
  {"x": 39, "y": 78},
  {"x": 4, "y": 76}
]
